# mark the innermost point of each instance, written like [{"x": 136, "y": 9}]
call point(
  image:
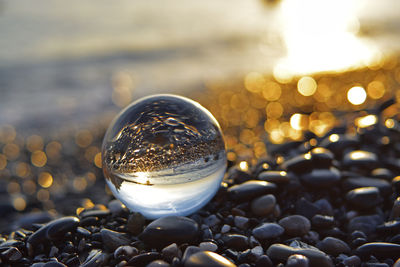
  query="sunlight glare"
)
[{"x": 356, "y": 95}]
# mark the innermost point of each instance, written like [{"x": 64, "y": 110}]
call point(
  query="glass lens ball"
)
[{"x": 164, "y": 155}]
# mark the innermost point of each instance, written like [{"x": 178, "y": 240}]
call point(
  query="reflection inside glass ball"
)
[{"x": 164, "y": 155}]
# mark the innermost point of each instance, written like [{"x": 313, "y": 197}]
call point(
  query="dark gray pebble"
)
[
  {"x": 207, "y": 258},
  {"x": 366, "y": 223},
  {"x": 282, "y": 252},
  {"x": 96, "y": 257},
  {"x": 250, "y": 190},
  {"x": 352, "y": 261},
  {"x": 112, "y": 239},
  {"x": 54, "y": 230},
  {"x": 325, "y": 207},
  {"x": 158, "y": 263},
  {"x": 298, "y": 164},
  {"x": 263, "y": 205},
  {"x": 306, "y": 208},
  {"x": 389, "y": 227},
  {"x": 171, "y": 251},
  {"x": 172, "y": 229},
  {"x": 208, "y": 246},
  {"x": 322, "y": 221},
  {"x": 95, "y": 213},
  {"x": 322, "y": 157},
  {"x": 27, "y": 221},
  {"x": 12, "y": 254},
  {"x": 268, "y": 230},
  {"x": 54, "y": 264},
  {"x": 333, "y": 246},
  {"x": 295, "y": 225},
  {"x": 364, "y": 198},
  {"x": 211, "y": 220},
  {"x": 264, "y": 261},
  {"x": 144, "y": 258},
  {"x": 356, "y": 182},
  {"x": 276, "y": 177},
  {"x": 360, "y": 158},
  {"x": 337, "y": 143},
  {"x": 116, "y": 207},
  {"x": 321, "y": 178},
  {"x": 297, "y": 260},
  {"x": 241, "y": 222},
  {"x": 189, "y": 251},
  {"x": 135, "y": 224},
  {"x": 125, "y": 251},
  {"x": 236, "y": 241},
  {"x": 381, "y": 250}
]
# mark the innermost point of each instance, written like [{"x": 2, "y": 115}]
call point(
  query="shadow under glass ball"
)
[{"x": 164, "y": 155}]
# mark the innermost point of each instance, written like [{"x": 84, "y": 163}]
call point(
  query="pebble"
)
[
  {"x": 321, "y": 178},
  {"x": 295, "y": 225},
  {"x": 55, "y": 264},
  {"x": 12, "y": 254},
  {"x": 352, "y": 261},
  {"x": 27, "y": 221},
  {"x": 257, "y": 252},
  {"x": 306, "y": 208},
  {"x": 322, "y": 221},
  {"x": 116, "y": 207},
  {"x": 282, "y": 252},
  {"x": 112, "y": 239},
  {"x": 364, "y": 198},
  {"x": 171, "y": 251},
  {"x": 208, "y": 246},
  {"x": 225, "y": 229},
  {"x": 337, "y": 143},
  {"x": 189, "y": 251},
  {"x": 325, "y": 207},
  {"x": 241, "y": 222},
  {"x": 211, "y": 220},
  {"x": 135, "y": 223},
  {"x": 389, "y": 227},
  {"x": 172, "y": 229},
  {"x": 297, "y": 260},
  {"x": 381, "y": 250},
  {"x": 250, "y": 190},
  {"x": 96, "y": 257},
  {"x": 264, "y": 261},
  {"x": 263, "y": 205},
  {"x": 125, "y": 251},
  {"x": 144, "y": 258},
  {"x": 236, "y": 241},
  {"x": 395, "y": 209},
  {"x": 333, "y": 246},
  {"x": 54, "y": 230},
  {"x": 267, "y": 231},
  {"x": 359, "y": 158},
  {"x": 357, "y": 182},
  {"x": 365, "y": 223},
  {"x": 298, "y": 164},
  {"x": 207, "y": 258},
  {"x": 322, "y": 157},
  {"x": 276, "y": 177},
  {"x": 95, "y": 213},
  {"x": 158, "y": 263}
]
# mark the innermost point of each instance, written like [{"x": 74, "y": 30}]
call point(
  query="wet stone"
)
[
  {"x": 95, "y": 258},
  {"x": 211, "y": 220},
  {"x": 171, "y": 251},
  {"x": 366, "y": 223},
  {"x": 208, "y": 246},
  {"x": 389, "y": 227},
  {"x": 276, "y": 177},
  {"x": 95, "y": 213},
  {"x": 236, "y": 241},
  {"x": 250, "y": 190},
  {"x": 263, "y": 205},
  {"x": 158, "y": 263},
  {"x": 295, "y": 225},
  {"x": 12, "y": 254},
  {"x": 322, "y": 157},
  {"x": 267, "y": 231},
  {"x": 318, "y": 178},
  {"x": 264, "y": 261},
  {"x": 225, "y": 228},
  {"x": 298, "y": 164},
  {"x": 116, "y": 207},
  {"x": 381, "y": 250},
  {"x": 306, "y": 208},
  {"x": 297, "y": 260},
  {"x": 189, "y": 251},
  {"x": 54, "y": 230},
  {"x": 112, "y": 239},
  {"x": 382, "y": 173},
  {"x": 282, "y": 252},
  {"x": 125, "y": 251},
  {"x": 360, "y": 158},
  {"x": 135, "y": 223},
  {"x": 357, "y": 182},
  {"x": 364, "y": 198},
  {"x": 54, "y": 264},
  {"x": 324, "y": 206},
  {"x": 172, "y": 229},
  {"x": 352, "y": 261},
  {"x": 27, "y": 221},
  {"x": 322, "y": 221},
  {"x": 241, "y": 222},
  {"x": 207, "y": 258},
  {"x": 337, "y": 143},
  {"x": 144, "y": 259},
  {"x": 333, "y": 246}
]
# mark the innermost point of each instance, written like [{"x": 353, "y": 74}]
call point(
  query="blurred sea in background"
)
[{"x": 65, "y": 62}]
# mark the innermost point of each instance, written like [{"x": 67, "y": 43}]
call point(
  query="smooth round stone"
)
[
  {"x": 263, "y": 205},
  {"x": 298, "y": 164},
  {"x": 211, "y": 220},
  {"x": 382, "y": 173},
  {"x": 172, "y": 229},
  {"x": 321, "y": 177},
  {"x": 171, "y": 251},
  {"x": 297, "y": 260},
  {"x": 306, "y": 208},
  {"x": 125, "y": 251},
  {"x": 96, "y": 257},
  {"x": 360, "y": 158},
  {"x": 236, "y": 241},
  {"x": 250, "y": 190},
  {"x": 333, "y": 246},
  {"x": 27, "y": 221},
  {"x": 135, "y": 223},
  {"x": 241, "y": 222},
  {"x": 322, "y": 221},
  {"x": 325, "y": 207},
  {"x": 207, "y": 258},
  {"x": 389, "y": 227},
  {"x": 264, "y": 261},
  {"x": 295, "y": 225},
  {"x": 112, "y": 239},
  {"x": 322, "y": 157},
  {"x": 366, "y": 224},
  {"x": 12, "y": 254},
  {"x": 381, "y": 250},
  {"x": 357, "y": 182},
  {"x": 208, "y": 246},
  {"x": 395, "y": 209},
  {"x": 364, "y": 198},
  {"x": 316, "y": 257},
  {"x": 276, "y": 177},
  {"x": 164, "y": 155},
  {"x": 337, "y": 143},
  {"x": 268, "y": 230},
  {"x": 352, "y": 261},
  {"x": 144, "y": 259},
  {"x": 54, "y": 230},
  {"x": 158, "y": 263}
]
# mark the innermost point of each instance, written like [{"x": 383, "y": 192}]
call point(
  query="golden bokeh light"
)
[
  {"x": 306, "y": 86},
  {"x": 356, "y": 95},
  {"x": 254, "y": 82},
  {"x": 45, "y": 179},
  {"x": 97, "y": 160},
  {"x": 11, "y": 151},
  {"x": 366, "y": 121},
  {"x": 298, "y": 121},
  {"x": 7, "y": 134},
  {"x": 79, "y": 184},
  {"x": 3, "y": 162},
  {"x": 274, "y": 110},
  {"x": 123, "y": 85},
  {"x": 22, "y": 169},
  {"x": 376, "y": 89},
  {"x": 244, "y": 166},
  {"x": 43, "y": 195},
  {"x": 19, "y": 203},
  {"x": 272, "y": 91},
  {"x": 38, "y": 158},
  {"x": 34, "y": 142},
  {"x": 83, "y": 138},
  {"x": 53, "y": 149},
  {"x": 29, "y": 187}
]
